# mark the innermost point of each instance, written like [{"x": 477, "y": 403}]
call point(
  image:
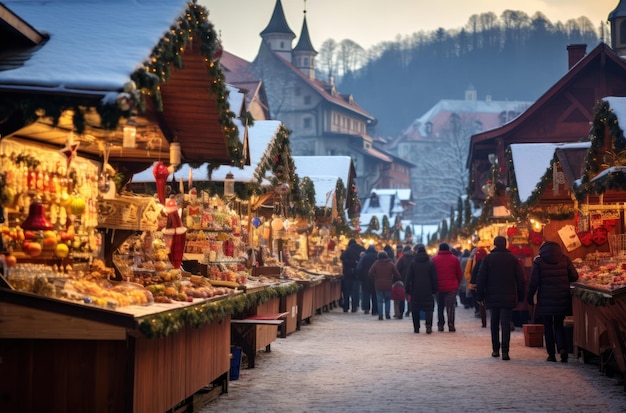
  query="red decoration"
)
[
  {"x": 599, "y": 235},
  {"x": 512, "y": 231},
  {"x": 585, "y": 238},
  {"x": 609, "y": 224},
  {"x": 160, "y": 173},
  {"x": 527, "y": 251},
  {"x": 536, "y": 238}
]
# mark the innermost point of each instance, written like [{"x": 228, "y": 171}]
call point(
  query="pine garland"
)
[
  {"x": 163, "y": 324},
  {"x": 595, "y": 298}
]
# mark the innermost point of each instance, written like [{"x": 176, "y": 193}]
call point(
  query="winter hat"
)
[
  {"x": 382, "y": 254},
  {"x": 352, "y": 242},
  {"x": 444, "y": 247},
  {"x": 406, "y": 248},
  {"x": 420, "y": 248},
  {"x": 499, "y": 241}
]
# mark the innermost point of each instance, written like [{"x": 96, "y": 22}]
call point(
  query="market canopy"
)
[{"x": 76, "y": 77}]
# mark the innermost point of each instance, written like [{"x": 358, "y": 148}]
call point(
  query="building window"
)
[
  {"x": 307, "y": 123},
  {"x": 282, "y": 45},
  {"x": 307, "y": 100},
  {"x": 622, "y": 32},
  {"x": 306, "y": 61}
]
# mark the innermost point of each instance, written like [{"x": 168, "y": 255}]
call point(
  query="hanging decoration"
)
[
  {"x": 175, "y": 233},
  {"x": 161, "y": 173},
  {"x": 256, "y": 222},
  {"x": 69, "y": 151}
]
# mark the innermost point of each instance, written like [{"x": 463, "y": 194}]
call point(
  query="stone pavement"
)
[{"x": 352, "y": 362}]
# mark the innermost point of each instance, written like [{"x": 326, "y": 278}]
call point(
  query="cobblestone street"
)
[{"x": 352, "y": 362}]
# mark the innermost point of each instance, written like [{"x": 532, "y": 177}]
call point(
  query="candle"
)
[
  {"x": 181, "y": 186},
  {"x": 190, "y": 177}
]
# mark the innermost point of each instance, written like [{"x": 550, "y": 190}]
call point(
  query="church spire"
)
[
  {"x": 277, "y": 34},
  {"x": 304, "y": 53}
]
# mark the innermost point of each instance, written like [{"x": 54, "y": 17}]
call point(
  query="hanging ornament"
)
[
  {"x": 160, "y": 173},
  {"x": 256, "y": 222},
  {"x": 175, "y": 233},
  {"x": 69, "y": 151},
  {"x": 277, "y": 224},
  {"x": 124, "y": 101}
]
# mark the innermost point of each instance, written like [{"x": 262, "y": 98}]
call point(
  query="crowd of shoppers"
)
[{"x": 482, "y": 279}]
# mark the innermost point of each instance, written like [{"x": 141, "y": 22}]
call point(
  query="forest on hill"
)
[{"x": 513, "y": 56}]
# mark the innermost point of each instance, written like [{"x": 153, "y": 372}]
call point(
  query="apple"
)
[
  {"x": 61, "y": 250},
  {"x": 34, "y": 249},
  {"x": 11, "y": 261}
]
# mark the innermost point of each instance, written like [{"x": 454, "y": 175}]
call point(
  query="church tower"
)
[
  {"x": 277, "y": 35},
  {"x": 617, "y": 19},
  {"x": 304, "y": 53}
]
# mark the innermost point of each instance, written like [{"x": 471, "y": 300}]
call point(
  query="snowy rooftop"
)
[
  {"x": 260, "y": 139},
  {"x": 324, "y": 171},
  {"x": 531, "y": 161},
  {"x": 94, "y": 44}
]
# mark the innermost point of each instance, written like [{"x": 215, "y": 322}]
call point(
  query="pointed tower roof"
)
[
  {"x": 620, "y": 10},
  {"x": 278, "y": 22},
  {"x": 304, "y": 43}
]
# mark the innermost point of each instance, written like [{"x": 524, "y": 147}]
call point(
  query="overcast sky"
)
[{"x": 369, "y": 22}]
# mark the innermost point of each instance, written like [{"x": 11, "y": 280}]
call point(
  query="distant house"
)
[
  {"x": 323, "y": 121},
  {"x": 239, "y": 73},
  {"x": 446, "y": 129}
]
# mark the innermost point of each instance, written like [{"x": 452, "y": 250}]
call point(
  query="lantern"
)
[
  {"x": 130, "y": 134},
  {"x": 229, "y": 185},
  {"x": 175, "y": 156}
]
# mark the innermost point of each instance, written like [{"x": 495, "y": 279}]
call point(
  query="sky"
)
[{"x": 368, "y": 23}]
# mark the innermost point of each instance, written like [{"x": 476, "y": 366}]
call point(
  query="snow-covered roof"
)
[
  {"x": 404, "y": 194},
  {"x": 531, "y": 161},
  {"x": 618, "y": 106},
  {"x": 324, "y": 171},
  {"x": 93, "y": 44},
  {"x": 260, "y": 140}
]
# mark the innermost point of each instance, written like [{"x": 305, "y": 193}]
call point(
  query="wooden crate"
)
[{"x": 533, "y": 335}]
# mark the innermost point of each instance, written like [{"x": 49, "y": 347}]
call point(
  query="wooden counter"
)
[
  {"x": 600, "y": 324},
  {"x": 60, "y": 356}
]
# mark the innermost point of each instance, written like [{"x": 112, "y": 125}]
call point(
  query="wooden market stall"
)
[{"x": 122, "y": 98}]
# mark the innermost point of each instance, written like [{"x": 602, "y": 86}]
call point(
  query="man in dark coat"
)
[
  {"x": 403, "y": 267},
  {"x": 383, "y": 273},
  {"x": 500, "y": 286},
  {"x": 550, "y": 278},
  {"x": 350, "y": 285},
  {"x": 368, "y": 296},
  {"x": 421, "y": 285}
]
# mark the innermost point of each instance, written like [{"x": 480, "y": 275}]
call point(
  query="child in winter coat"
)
[{"x": 397, "y": 295}]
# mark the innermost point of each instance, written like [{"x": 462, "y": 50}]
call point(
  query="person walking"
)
[
  {"x": 448, "y": 278},
  {"x": 550, "y": 278},
  {"x": 406, "y": 256},
  {"x": 350, "y": 284},
  {"x": 383, "y": 272},
  {"x": 421, "y": 286},
  {"x": 368, "y": 294},
  {"x": 500, "y": 287},
  {"x": 480, "y": 311}
]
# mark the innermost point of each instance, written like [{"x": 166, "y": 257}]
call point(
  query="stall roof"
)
[
  {"x": 532, "y": 160},
  {"x": 93, "y": 48},
  {"x": 261, "y": 137}
]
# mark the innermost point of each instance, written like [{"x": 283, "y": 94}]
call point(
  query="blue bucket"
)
[{"x": 235, "y": 362}]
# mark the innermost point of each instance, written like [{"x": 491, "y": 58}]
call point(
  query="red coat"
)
[
  {"x": 384, "y": 273},
  {"x": 449, "y": 272}
]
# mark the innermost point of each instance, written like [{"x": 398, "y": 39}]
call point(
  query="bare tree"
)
[
  {"x": 327, "y": 57},
  {"x": 351, "y": 56}
]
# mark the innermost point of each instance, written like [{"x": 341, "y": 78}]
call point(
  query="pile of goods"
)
[{"x": 610, "y": 276}]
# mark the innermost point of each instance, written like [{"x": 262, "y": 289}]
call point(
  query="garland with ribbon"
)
[{"x": 164, "y": 324}]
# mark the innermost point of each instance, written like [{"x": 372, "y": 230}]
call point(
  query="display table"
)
[
  {"x": 600, "y": 323},
  {"x": 62, "y": 356},
  {"x": 306, "y": 304}
]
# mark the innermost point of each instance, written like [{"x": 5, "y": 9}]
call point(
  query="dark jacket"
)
[
  {"x": 500, "y": 279},
  {"x": 403, "y": 264},
  {"x": 384, "y": 273},
  {"x": 421, "y": 282},
  {"x": 350, "y": 258},
  {"x": 366, "y": 261},
  {"x": 550, "y": 278}
]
